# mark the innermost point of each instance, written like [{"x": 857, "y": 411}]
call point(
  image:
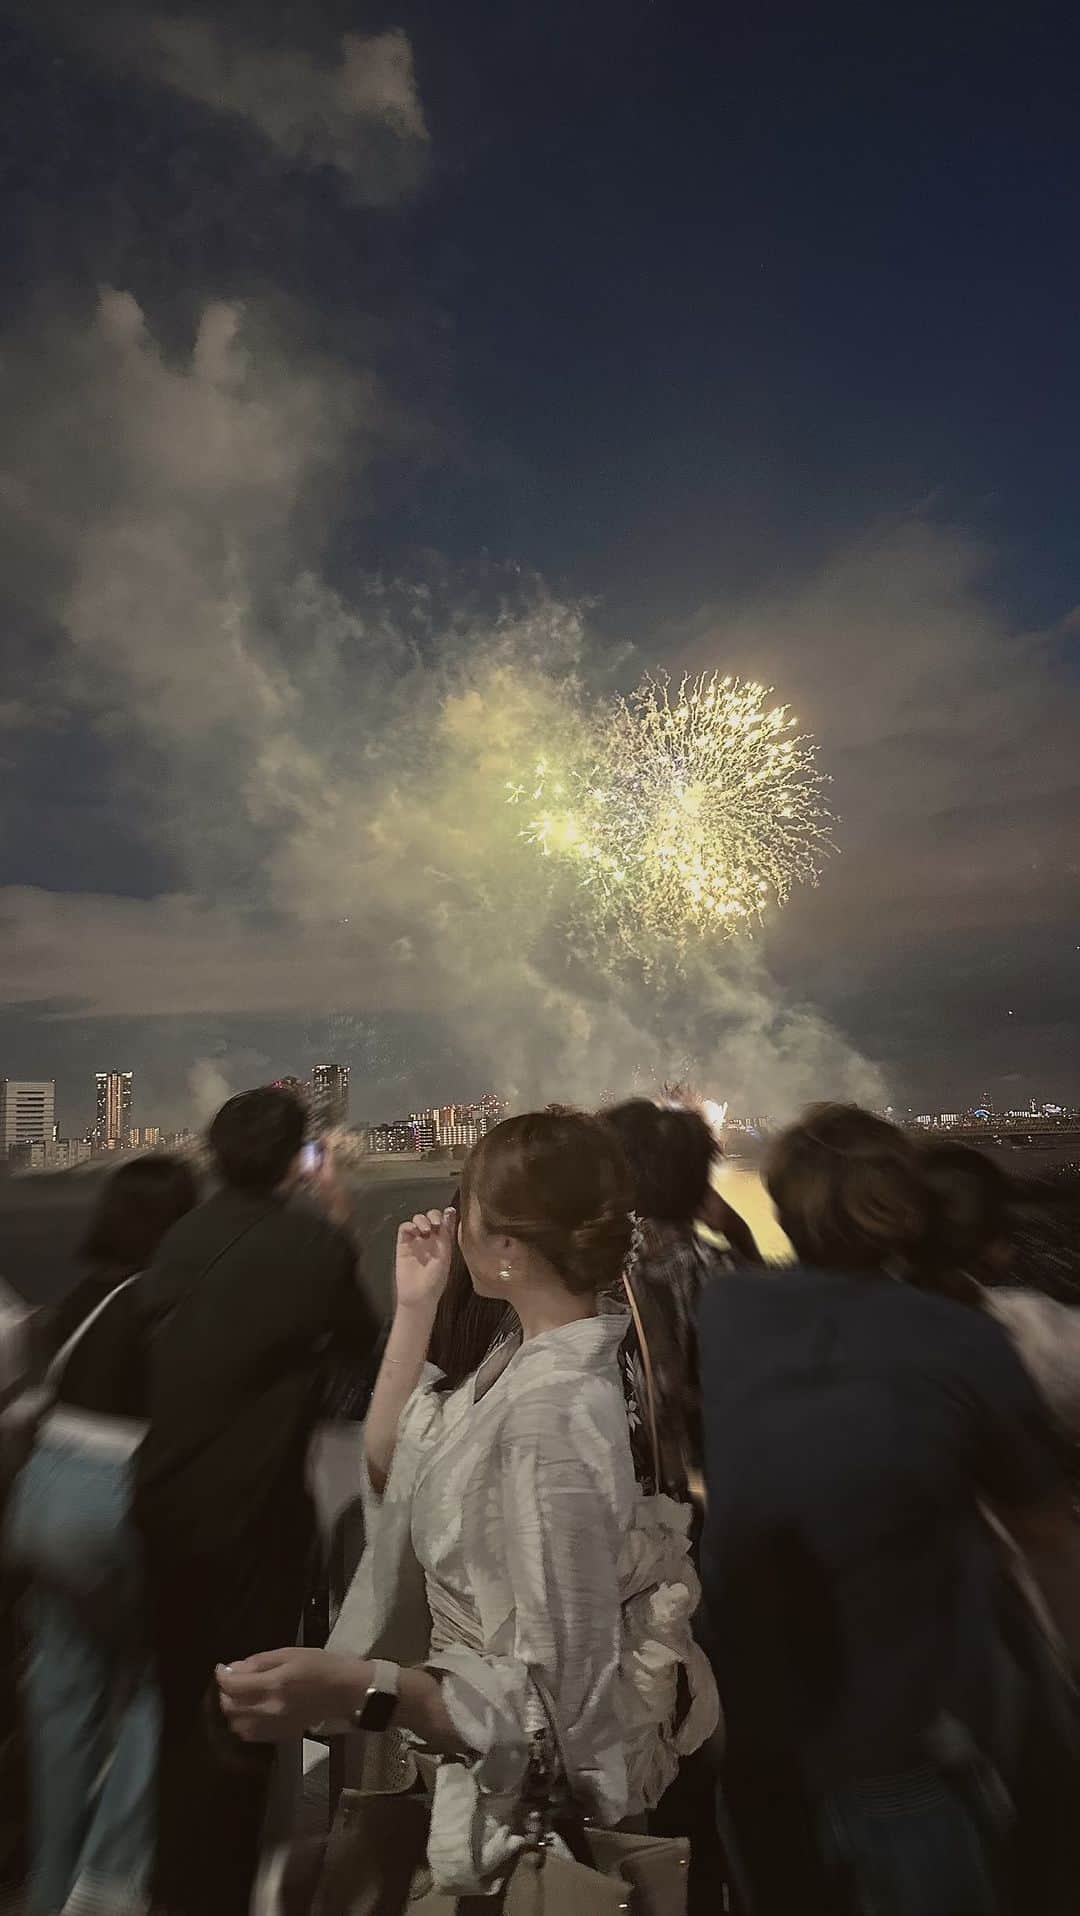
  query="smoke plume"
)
[{"x": 325, "y": 767}]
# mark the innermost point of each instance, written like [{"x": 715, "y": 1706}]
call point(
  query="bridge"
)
[
  {"x": 1038, "y": 1133},
  {"x": 1049, "y": 1142}
]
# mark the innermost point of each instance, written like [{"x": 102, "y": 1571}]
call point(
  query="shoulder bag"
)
[
  {"x": 375, "y": 1862},
  {"x": 21, "y": 1418}
]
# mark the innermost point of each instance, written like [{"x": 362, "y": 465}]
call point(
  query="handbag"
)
[
  {"x": 375, "y": 1861},
  {"x": 21, "y": 1417},
  {"x": 25, "y": 1408}
]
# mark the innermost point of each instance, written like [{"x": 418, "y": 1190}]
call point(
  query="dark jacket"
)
[
  {"x": 852, "y": 1427},
  {"x": 250, "y": 1305},
  {"x": 106, "y": 1371}
]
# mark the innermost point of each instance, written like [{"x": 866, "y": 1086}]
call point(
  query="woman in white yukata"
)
[{"x": 508, "y": 1534}]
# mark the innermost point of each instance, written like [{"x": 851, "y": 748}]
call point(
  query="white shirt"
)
[{"x": 512, "y": 1536}]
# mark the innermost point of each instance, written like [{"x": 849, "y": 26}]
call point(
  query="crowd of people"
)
[{"x": 658, "y": 1539}]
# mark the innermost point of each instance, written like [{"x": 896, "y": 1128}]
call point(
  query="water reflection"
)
[{"x": 741, "y": 1185}]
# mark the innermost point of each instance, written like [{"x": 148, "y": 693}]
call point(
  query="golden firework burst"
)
[{"x": 690, "y": 811}]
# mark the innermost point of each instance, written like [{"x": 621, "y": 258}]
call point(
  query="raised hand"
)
[
  {"x": 329, "y": 1191},
  {"x": 424, "y": 1249}
]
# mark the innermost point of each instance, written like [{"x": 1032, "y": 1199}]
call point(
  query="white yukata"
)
[{"x": 512, "y": 1535}]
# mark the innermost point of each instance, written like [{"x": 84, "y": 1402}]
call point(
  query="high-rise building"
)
[
  {"x": 27, "y": 1111},
  {"x": 114, "y": 1100},
  {"x": 491, "y": 1111},
  {"x": 395, "y": 1137},
  {"x": 423, "y": 1130},
  {"x": 145, "y": 1137},
  {"x": 329, "y": 1096}
]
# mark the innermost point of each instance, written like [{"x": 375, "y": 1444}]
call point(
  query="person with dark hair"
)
[
  {"x": 138, "y": 1203},
  {"x": 984, "y": 1223},
  {"x": 968, "y": 1240},
  {"x": 855, "y": 1428},
  {"x": 255, "y": 1139},
  {"x": 511, "y": 1547},
  {"x": 671, "y": 1150},
  {"x": 987, "y": 1232},
  {"x": 91, "y": 1711},
  {"x": 251, "y": 1303}
]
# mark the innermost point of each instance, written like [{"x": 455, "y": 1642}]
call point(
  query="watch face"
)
[{"x": 378, "y": 1710}]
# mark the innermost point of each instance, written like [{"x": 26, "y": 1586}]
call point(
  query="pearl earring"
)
[{"x": 505, "y": 1273}]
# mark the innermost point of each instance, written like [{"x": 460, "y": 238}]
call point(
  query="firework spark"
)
[{"x": 688, "y": 812}]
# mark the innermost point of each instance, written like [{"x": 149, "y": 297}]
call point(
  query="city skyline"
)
[
  {"x": 32, "y": 1136},
  {"x": 377, "y": 1109},
  {"x": 342, "y": 504}
]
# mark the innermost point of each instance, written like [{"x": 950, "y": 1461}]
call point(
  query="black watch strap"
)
[{"x": 377, "y": 1710}]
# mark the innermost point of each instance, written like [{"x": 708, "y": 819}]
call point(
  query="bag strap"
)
[
  {"x": 547, "y": 1704},
  {"x": 650, "y": 1378},
  {"x": 551, "y": 1806},
  {"x": 55, "y": 1371}
]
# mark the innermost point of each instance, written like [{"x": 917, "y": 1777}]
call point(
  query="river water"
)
[
  {"x": 43, "y": 1218},
  {"x": 741, "y": 1185}
]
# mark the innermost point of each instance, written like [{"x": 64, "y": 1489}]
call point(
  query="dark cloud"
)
[{"x": 348, "y": 104}]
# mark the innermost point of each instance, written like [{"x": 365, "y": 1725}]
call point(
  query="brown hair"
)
[
  {"x": 557, "y": 1181},
  {"x": 849, "y": 1190}
]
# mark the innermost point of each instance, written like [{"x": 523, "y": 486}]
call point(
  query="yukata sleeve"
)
[{"x": 544, "y": 1566}]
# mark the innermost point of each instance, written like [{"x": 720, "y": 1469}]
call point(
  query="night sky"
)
[{"x": 634, "y": 335}]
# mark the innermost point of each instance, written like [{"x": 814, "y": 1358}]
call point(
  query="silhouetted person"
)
[
  {"x": 671, "y": 1151},
  {"x": 854, "y": 1429},
  {"x": 90, "y": 1698},
  {"x": 986, "y": 1227},
  {"x": 251, "y": 1301}
]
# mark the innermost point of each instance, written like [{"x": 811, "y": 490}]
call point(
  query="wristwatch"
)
[{"x": 377, "y": 1710}]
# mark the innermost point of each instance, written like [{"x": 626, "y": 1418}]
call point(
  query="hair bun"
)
[
  {"x": 597, "y": 1250},
  {"x": 558, "y": 1182}
]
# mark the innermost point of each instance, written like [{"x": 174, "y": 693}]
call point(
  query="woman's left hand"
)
[{"x": 279, "y": 1694}]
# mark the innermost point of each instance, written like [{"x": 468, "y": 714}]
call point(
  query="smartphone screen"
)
[{"x": 311, "y": 1158}]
